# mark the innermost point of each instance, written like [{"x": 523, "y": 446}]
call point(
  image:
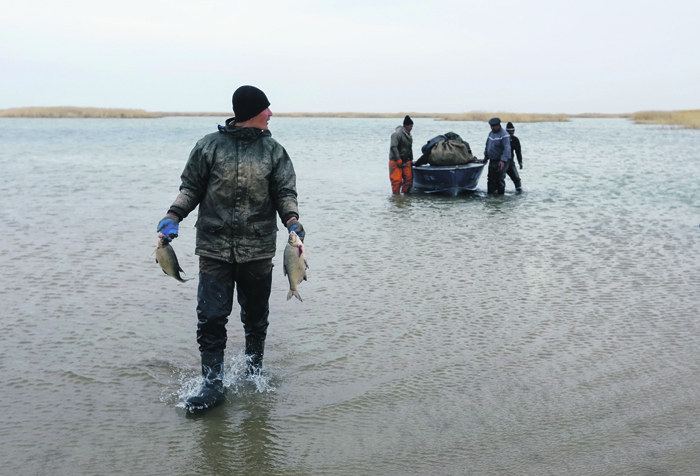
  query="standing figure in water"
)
[
  {"x": 497, "y": 152},
  {"x": 514, "y": 151},
  {"x": 401, "y": 158},
  {"x": 242, "y": 179}
]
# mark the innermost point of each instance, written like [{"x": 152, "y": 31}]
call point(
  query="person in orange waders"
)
[{"x": 401, "y": 158}]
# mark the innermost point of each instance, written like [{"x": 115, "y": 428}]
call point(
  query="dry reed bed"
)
[
  {"x": 685, "y": 119},
  {"x": 103, "y": 113},
  {"x": 77, "y": 112},
  {"x": 480, "y": 116}
]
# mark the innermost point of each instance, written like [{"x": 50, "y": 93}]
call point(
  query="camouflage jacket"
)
[
  {"x": 241, "y": 178},
  {"x": 401, "y": 145}
]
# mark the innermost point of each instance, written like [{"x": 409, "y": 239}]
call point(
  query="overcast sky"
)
[{"x": 355, "y": 55}]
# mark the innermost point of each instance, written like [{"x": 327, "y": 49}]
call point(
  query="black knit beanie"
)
[
  {"x": 407, "y": 121},
  {"x": 509, "y": 127},
  {"x": 248, "y": 102}
]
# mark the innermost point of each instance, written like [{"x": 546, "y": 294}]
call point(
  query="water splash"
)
[{"x": 236, "y": 381}]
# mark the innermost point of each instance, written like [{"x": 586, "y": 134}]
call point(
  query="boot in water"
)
[
  {"x": 254, "y": 350},
  {"x": 212, "y": 392}
]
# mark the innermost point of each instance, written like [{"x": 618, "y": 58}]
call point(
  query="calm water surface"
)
[{"x": 551, "y": 332}]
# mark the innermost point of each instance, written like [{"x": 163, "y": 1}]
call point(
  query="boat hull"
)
[{"x": 451, "y": 180}]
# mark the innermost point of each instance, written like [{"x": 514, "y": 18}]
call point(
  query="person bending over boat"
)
[
  {"x": 514, "y": 151},
  {"x": 497, "y": 152},
  {"x": 401, "y": 158},
  {"x": 242, "y": 179}
]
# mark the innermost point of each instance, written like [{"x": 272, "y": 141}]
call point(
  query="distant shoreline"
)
[{"x": 684, "y": 119}]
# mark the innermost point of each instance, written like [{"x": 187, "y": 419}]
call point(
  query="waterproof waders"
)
[
  {"x": 215, "y": 303},
  {"x": 212, "y": 392},
  {"x": 496, "y": 182}
]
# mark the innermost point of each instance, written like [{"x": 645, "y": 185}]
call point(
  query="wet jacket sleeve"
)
[
  {"x": 194, "y": 179},
  {"x": 505, "y": 156},
  {"x": 515, "y": 149},
  {"x": 394, "y": 149},
  {"x": 283, "y": 185}
]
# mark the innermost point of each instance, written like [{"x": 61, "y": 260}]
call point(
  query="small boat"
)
[{"x": 452, "y": 180}]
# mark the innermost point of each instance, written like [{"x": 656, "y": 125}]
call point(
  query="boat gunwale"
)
[{"x": 470, "y": 165}]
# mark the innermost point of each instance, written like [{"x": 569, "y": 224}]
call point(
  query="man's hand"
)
[
  {"x": 294, "y": 225},
  {"x": 501, "y": 165},
  {"x": 169, "y": 225},
  {"x": 521, "y": 166}
]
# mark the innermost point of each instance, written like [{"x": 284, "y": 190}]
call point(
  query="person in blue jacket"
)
[{"x": 497, "y": 152}]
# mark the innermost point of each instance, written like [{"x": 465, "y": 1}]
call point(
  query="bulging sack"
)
[{"x": 450, "y": 152}]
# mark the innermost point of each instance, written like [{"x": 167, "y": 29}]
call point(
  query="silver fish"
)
[
  {"x": 295, "y": 265},
  {"x": 165, "y": 257}
]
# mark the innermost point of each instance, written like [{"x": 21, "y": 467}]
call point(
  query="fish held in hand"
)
[
  {"x": 166, "y": 258},
  {"x": 295, "y": 265}
]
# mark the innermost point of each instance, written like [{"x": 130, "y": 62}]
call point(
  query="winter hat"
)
[
  {"x": 494, "y": 122},
  {"x": 248, "y": 102},
  {"x": 509, "y": 127},
  {"x": 407, "y": 121}
]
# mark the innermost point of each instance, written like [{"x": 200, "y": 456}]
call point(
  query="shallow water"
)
[{"x": 549, "y": 332}]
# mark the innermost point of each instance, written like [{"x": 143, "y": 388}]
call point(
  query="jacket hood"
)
[{"x": 403, "y": 130}]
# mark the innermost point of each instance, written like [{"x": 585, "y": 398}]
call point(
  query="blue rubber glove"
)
[
  {"x": 296, "y": 227},
  {"x": 169, "y": 225}
]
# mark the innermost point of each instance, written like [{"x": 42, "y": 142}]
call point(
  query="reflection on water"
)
[
  {"x": 549, "y": 332},
  {"x": 238, "y": 438}
]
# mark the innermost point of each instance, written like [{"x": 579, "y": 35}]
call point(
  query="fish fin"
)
[
  {"x": 165, "y": 273},
  {"x": 294, "y": 292},
  {"x": 284, "y": 270},
  {"x": 304, "y": 278},
  {"x": 306, "y": 265}
]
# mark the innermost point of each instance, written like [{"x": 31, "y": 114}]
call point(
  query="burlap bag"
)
[{"x": 450, "y": 152}]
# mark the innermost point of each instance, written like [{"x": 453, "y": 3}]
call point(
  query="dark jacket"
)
[
  {"x": 428, "y": 147},
  {"x": 515, "y": 149},
  {"x": 448, "y": 136},
  {"x": 401, "y": 145},
  {"x": 498, "y": 146},
  {"x": 241, "y": 178}
]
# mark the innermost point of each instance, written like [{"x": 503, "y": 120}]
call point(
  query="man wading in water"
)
[
  {"x": 497, "y": 152},
  {"x": 514, "y": 151},
  {"x": 241, "y": 178},
  {"x": 401, "y": 158}
]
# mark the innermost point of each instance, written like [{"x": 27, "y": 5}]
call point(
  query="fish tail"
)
[{"x": 294, "y": 292}]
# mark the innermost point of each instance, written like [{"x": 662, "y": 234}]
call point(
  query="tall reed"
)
[
  {"x": 479, "y": 116},
  {"x": 76, "y": 112},
  {"x": 484, "y": 116},
  {"x": 686, "y": 119}
]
